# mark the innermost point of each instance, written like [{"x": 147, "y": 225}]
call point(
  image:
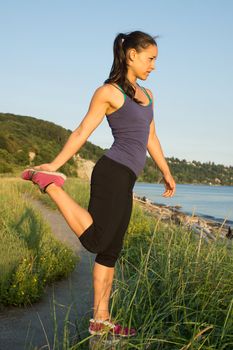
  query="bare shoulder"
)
[
  {"x": 106, "y": 89},
  {"x": 103, "y": 91},
  {"x": 106, "y": 98},
  {"x": 107, "y": 93},
  {"x": 112, "y": 96}
]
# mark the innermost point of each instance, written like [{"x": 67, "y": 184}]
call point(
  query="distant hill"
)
[{"x": 28, "y": 141}]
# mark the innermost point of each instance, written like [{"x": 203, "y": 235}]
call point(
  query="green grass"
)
[
  {"x": 31, "y": 257},
  {"x": 175, "y": 289}
]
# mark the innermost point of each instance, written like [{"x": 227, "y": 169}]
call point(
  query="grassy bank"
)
[
  {"x": 175, "y": 289},
  {"x": 30, "y": 255}
]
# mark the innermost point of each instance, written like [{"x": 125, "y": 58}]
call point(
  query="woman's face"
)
[{"x": 142, "y": 63}]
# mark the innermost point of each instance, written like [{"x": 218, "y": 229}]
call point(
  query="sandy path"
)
[{"x": 21, "y": 328}]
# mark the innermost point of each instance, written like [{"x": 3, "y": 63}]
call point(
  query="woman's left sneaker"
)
[
  {"x": 43, "y": 178},
  {"x": 99, "y": 327}
]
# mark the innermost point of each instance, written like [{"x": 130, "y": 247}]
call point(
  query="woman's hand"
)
[
  {"x": 45, "y": 167},
  {"x": 170, "y": 185}
]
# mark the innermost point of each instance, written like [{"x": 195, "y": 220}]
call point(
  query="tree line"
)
[{"x": 21, "y": 135}]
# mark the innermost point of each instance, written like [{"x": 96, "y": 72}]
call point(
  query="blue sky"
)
[{"x": 54, "y": 54}]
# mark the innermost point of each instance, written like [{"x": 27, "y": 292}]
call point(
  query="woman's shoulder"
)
[
  {"x": 109, "y": 92},
  {"x": 103, "y": 92},
  {"x": 107, "y": 88},
  {"x": 109, "y": 95},
  {"x": 112, "y": 90}
]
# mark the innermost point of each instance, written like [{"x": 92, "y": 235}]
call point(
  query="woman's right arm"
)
[{"x": 96, "y": 112}]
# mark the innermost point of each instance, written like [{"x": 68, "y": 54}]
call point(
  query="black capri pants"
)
[{"x": 110, "y": 205}]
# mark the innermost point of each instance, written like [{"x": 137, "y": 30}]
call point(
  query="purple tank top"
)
[{"x": 130, "y": 125}]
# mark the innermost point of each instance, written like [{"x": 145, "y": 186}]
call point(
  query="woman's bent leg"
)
[{"x": 78, "y": 218}]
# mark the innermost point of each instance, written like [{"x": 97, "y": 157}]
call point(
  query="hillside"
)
[{"x": 28, "y": 141}]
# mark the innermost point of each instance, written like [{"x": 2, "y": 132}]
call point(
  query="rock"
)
[
  {"x": 84, "y": 168},
  {"x": 31, "y": 156},
  {"x": 208, "y": 229},
  {"x": 229, "y": 233}
]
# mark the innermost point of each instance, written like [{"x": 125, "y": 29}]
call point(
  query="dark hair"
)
[{"x": 122, "y": 43}]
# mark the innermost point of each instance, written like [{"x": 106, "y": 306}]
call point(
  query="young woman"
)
[{"x": 129, "y": 111}]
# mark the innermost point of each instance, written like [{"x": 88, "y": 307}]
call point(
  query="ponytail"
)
[{"x": 137, "y": 40}]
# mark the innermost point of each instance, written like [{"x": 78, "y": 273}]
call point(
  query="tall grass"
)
[
  {"x": 177, "y": 291},
  {"x": 30, "y": 256}
]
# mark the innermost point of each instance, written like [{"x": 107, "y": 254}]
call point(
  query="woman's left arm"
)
[{"x": 155, "y": 150}]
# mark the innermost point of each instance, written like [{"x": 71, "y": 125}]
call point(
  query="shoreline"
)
[{"x": 208, "y": 228}]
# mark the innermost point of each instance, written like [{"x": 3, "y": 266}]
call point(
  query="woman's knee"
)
[
  {"x": 93, "y": 241},
  {"x": 107, "y": 259}
]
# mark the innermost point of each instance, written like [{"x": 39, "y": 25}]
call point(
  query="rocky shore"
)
[{"x": 209, "y": 229}]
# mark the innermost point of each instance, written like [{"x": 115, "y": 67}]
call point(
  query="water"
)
[{"x": 212, "y": 202}]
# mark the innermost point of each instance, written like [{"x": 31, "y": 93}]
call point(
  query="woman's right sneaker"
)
[
  {"x": 43, "y": 178},
  {"x": 99, "y": 327}
]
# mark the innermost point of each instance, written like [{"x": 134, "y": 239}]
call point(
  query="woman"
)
[{"x": 129, "y": 111}]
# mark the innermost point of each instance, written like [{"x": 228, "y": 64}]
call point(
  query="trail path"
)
[{"x": 21, "y": 328}]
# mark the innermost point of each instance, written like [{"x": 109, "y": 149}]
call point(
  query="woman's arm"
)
[
  {"x": 96, "y": 112},
  {"x": 155, "y": 150},
  {"x": 154, "y": 147}
]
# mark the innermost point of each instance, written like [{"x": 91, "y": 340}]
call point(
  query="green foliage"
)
[
  {"x": 197, "y": 172},
  {"x": 30, "y": 255},
  {"x": 5, "y": 167},
  {"x": 20, "y": 135},
  {"x": 189, "y": 172},
  {"x": 6, "y": 156}
]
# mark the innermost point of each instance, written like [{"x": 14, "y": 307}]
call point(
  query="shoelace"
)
[{"x": 31, "y": 174}]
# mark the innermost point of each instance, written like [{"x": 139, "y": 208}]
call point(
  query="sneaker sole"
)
[{"x": 49, "y": 173}]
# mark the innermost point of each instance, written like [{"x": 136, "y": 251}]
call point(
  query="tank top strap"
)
[
  {"x": 119, "y": 88},
  {"x": 150, "y": 99},
  {"x": 146, "y": 93}
]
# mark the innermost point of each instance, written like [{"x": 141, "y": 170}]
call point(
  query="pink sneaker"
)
[
  {"x": 43, "y": 178},
  {"x": 99, "y": 327}
]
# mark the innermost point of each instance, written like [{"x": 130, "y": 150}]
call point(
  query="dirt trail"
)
[{"x": 22, "y": 328}]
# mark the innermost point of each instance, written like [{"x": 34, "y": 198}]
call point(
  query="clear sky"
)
[{"x": 54, "y": 54}]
